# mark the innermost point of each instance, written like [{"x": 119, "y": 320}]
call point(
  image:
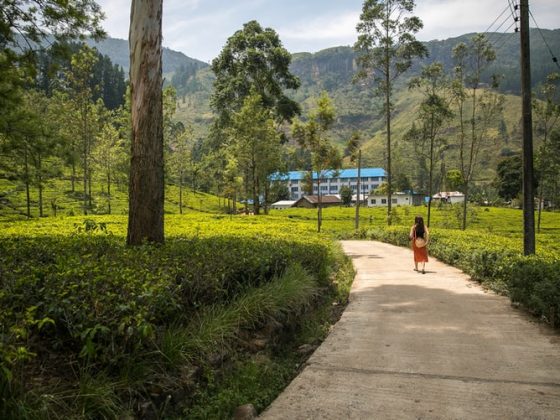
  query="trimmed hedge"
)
[{"x": 495, "y": 261}]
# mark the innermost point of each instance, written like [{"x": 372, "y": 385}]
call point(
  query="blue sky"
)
[{"x": 200, "y": 28}]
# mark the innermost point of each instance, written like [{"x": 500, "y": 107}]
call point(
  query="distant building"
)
[
  {"x": 332, "y": 181},
  {"x": 450, "y": 197},
  {"x": 312, "y": 201},
  {"x": 282, "y": 204},
  {"x": 397, "y": 199}
]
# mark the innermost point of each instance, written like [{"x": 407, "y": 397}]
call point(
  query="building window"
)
[
  {"x": 394, "y": 200},
  {"x": 295, "y": 189},
  {"x": 333, "y": 189},
  {"x": 324, "y": 188},
  {"x": 383, "y": 201},
  {"x": 373, "y": 201},
  {"x": 364, "y": 179}
]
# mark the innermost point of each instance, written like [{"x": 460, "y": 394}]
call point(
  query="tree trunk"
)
[
  {"x": 319, "y": 203},
  {"x": 146, "y": 184},
  {"x": 85, "y": 156},
  {"x": 73, "y": 170},
  {"x": 266, "y": 193},
  {"x": 466, "y": 192},
  {"x": 357, "y": 221},
  {"x": 254, "y": 178},
  {"x": 431, "y": 173},
  {"x": 27, "y": 194},
  {"x": 181, "y": 191},
  {"x": 388, "y": 117},
  {"x": 109, "y": 191},
  {"x": 40, "y": 185}
]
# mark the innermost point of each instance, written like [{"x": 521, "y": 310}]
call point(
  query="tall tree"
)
[
  {"x": 109, "y": 156},
  {"x": 432, "y": 116},
  {"x": 474, "y": 122},
  {"x": 146, "y": 183},
  {"x": 79, "y": 79},
  {"x": 312, "y": 135},
  {"x": 355, "y": 150},
  {"x": 253, "y": 58},
  {"x": 547, "y": 115},
  {"x": 386, "y": 46}
]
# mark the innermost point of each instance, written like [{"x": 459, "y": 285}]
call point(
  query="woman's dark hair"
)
[{"x": 419, "y": 226}]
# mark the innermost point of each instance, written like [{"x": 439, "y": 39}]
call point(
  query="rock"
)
[
  {"x": 257, "y": 344},
  {"x": 245, "y": 412},
  {"x": 305, "y": 349}
]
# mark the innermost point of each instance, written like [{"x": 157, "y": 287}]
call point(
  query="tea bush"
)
[{"x": 72, "y": 292}]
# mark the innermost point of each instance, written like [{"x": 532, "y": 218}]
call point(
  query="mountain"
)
[
  {"x": 117, "y": 51},
  {"x": 357, "y": 108}
]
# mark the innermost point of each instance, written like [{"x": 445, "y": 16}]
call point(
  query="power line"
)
[
  {"x": 554, "y": 59},
  {"x": 496, "y": 38},
  {"x": 506, "y": 37},
  {"x": 495, "y": 20}
]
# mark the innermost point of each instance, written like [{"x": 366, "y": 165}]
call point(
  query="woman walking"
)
[{"x": 419, "y": 236}]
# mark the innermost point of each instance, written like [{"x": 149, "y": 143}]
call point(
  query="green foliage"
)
[
  {"x": 85, "y": 298},
  {"x": 346, "y": 195},
  {"x": 254, "y": 58},
  {"x": 509, "y": 173}
]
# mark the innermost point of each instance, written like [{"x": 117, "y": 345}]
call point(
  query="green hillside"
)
[
  {"x": 357, "y": 108},
  {"x": 57, "y": 193}
]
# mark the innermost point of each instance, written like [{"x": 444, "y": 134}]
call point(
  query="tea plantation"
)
[{"x": 213, "y": 318}]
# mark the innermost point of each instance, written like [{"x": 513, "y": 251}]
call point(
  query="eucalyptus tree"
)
[
  {"x": 385, "y": 48},
  {"x": 312, "y": 135},
  {"x": 146, "y": 181},
  {"x": 547, "y": 116},
  {"x": 476, "y": 112},
  {"x": 434, "y": 112}
]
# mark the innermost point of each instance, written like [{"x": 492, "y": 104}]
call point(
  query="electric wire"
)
[
  {"x": 554, "y": 59},
  {"x": 495, "y": 20},
  {"x": 497, "y": 38}
]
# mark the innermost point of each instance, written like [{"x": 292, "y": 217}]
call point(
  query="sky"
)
[{"x": 200, "y": 28}]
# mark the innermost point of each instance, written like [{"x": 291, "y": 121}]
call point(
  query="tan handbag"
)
[{"x": 420, "y": 242}]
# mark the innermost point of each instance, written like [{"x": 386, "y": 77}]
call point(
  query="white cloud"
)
[{"x": 327, "y": 27}]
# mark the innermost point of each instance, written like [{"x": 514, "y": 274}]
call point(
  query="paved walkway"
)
[{"x": 432, "y": 346}]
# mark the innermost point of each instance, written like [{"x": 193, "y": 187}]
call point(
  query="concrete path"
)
[{"x": 432, "y": 346}]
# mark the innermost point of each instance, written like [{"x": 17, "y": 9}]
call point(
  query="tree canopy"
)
[{"x": 254, "y": 58}]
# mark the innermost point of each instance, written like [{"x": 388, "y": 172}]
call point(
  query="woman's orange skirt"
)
[{"x": 420, "y": 254}]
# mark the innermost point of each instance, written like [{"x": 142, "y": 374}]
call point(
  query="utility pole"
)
[{"x": 528, "y": 194}]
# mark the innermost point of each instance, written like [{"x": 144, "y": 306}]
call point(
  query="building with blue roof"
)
[{"x": 332, "y": 181}]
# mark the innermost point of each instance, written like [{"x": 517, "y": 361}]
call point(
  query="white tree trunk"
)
[{"x": 146, "y": 187}]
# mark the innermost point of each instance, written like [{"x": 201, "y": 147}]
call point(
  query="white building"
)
[
  {"x": 332, "y": 181},
  {"x": 397, "y": 199},
  {"x": 450, "y": 197},
  {"x": 282, "y": 204}
]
